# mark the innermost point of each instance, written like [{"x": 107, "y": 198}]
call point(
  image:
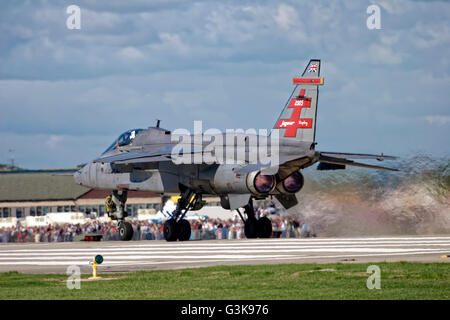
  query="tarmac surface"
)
[{"x": 153, "y": 255}]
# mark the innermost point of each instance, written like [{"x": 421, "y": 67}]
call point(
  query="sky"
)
[{"x": 66, "y": 94}]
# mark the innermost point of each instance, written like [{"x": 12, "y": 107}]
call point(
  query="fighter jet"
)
[{"x": 170, "y": 163}]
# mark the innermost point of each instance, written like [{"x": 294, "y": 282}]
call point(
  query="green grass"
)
[{"x": 402, "y": 280}]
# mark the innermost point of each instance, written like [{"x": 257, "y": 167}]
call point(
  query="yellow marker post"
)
[{"x": 98, "y": 259}]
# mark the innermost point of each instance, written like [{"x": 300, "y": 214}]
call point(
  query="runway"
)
[{"x": 151, "y": 255}]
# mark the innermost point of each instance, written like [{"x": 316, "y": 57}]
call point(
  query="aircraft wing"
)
[
  {"x": 136, "y": 159},
  {"x": 140, "y": 155},
  {"x": 125, "y": 156}
]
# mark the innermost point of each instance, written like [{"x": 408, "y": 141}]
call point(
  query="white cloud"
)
[
  {"x": 290, "y": 23},
  {"x": 395, "y": 6},
  {"x": 286, "y": 17},
  {"x": 438, "y": 120},
  {"x": 389, "y": 40},
  {"x": 173, "y": 43},
  {"x": 96, "y": 21},
  {"x": 237, "y": 25},
  {"x": 430, "y": 35},
  {"x": 379, "y": 54},
  {"x": 53, "y": 141},
  {"x": 131, "y": 53}
]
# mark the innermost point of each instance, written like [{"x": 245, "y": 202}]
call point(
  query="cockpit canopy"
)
[{"x": 124, "y": 139}]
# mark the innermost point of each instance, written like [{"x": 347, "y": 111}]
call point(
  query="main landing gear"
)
[
  {"x": 255, "y": 228},
  {"x": 178, "y": 228},
  {"x": 115, "y": 207}
]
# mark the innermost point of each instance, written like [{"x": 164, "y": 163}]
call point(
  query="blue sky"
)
[{"x": 66, "y": 94}]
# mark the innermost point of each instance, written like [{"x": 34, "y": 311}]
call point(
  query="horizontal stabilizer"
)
[
  {"x": 342, "y": 155},
  {"x": 330, "y": 166},
  {"x": 340, "y": 161}
]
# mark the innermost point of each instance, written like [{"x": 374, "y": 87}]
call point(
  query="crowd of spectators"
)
[{"x": 148, "y": 230}]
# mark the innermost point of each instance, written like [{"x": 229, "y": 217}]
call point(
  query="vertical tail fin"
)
[{"x": 297, "y": 121}]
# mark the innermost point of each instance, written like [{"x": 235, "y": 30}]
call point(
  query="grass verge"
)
[{"x": 400, "y": 280}]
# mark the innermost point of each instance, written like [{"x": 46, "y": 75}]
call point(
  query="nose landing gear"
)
[{"x": 115, "y": 207}]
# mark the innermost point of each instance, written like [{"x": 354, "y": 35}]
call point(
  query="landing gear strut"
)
[
  {"x": 178, "y": 228},
  {"x": 253, "y": 228},
  {"x": 115, "y": 207}
]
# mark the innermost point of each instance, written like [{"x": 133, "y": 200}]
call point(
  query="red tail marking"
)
[
  {"x": 318, "y": 81},
  {"x": 294, "y": 122}
]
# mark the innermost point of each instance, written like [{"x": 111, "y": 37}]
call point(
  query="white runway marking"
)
[
  {"x": 234, "y": 245},
  {"x": 145, "y": 254},
  {"x": 198, "y": 253},
  {"x": 197, "y": 249},
  {"x": 245, "y": 242}
]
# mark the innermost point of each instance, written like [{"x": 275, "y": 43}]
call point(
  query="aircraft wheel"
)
[
  {"x": 251, "y": 229},
  {"x": 125, "y": 231},
  {"x": 264, "y": 227},
  {"x": 185, "y": 230},
  {"x": 171, "y": 230}
]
